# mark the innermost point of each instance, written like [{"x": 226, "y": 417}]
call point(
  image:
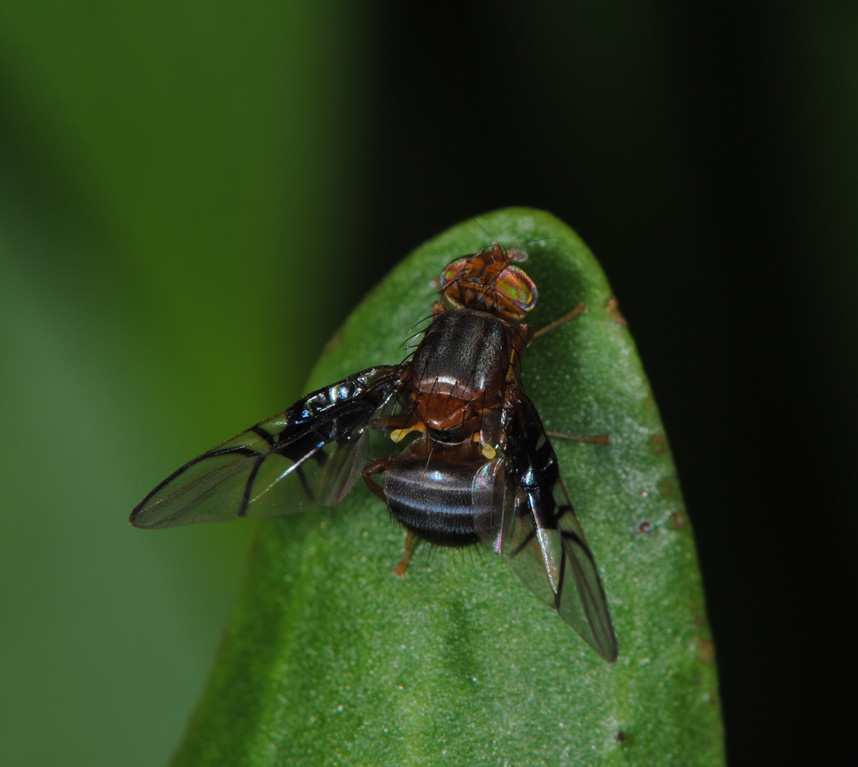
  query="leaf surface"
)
[{"x": 331, "y": 659}]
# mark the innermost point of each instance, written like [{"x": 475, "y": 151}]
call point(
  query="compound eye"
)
[
  {"x": 452, "y": 271},
  {"x": 517, "y": 288}
]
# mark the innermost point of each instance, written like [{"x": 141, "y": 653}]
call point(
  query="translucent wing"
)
[
  {"x": 540, "y": 536},
  {"x": 323, "y": 439}
]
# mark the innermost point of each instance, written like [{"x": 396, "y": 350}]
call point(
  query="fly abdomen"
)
[{"x": 430, "y": 492}]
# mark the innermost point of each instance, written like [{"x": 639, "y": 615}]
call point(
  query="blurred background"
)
[{"x": 193, "y": 196}]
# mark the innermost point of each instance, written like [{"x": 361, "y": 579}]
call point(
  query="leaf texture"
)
[{"x": 329, "y": 658}]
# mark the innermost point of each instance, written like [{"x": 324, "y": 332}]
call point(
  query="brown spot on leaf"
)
[
  {"x": 614, "y": 312},
  {"x": 705, "y": 651},
  {"x": 667, "y": 486},
  {"x": 678, "y": 519},
  {"x": 334, "y": 342}
]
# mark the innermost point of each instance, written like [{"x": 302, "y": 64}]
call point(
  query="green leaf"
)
[{"x": 331, "y": 659}]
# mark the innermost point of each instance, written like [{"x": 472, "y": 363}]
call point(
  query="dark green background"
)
[{"x": 193, "y": 196}]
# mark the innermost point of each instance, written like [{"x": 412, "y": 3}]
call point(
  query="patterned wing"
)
[
  {"x": 541, "y": 538},
  {"x": 323, "y": 439}
]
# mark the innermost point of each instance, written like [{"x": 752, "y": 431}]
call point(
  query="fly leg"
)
[
  {"x": 406, "y": 557},
  {"x": 578, "y": 310},
  {"x": 369, "y": 471},
  {"x": 595, "y": 439},
  {"x": 613, "y": 312},
  {"x": 598, "y": 439}
]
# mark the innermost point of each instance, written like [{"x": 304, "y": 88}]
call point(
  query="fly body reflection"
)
[{"x": 467, "y": 459}]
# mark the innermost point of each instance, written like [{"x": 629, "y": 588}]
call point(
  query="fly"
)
[{"x": 467, "y": 461}]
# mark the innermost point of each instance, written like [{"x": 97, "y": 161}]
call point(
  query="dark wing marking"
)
[
  {"x": 323, "y": 439},
  {"x": 541, "y": 538}
]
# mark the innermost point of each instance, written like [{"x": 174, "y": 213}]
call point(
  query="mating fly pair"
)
[{"x": 467, "y": 460}]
